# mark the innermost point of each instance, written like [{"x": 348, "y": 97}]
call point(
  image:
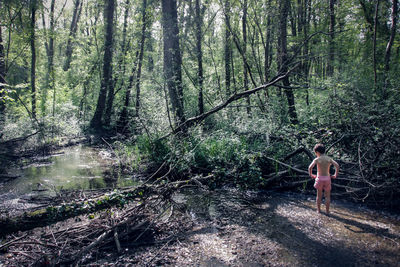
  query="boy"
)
[{"x": 323, "y": 177}]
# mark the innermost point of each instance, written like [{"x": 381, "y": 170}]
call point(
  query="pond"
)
[{"x": 72, "y": 168}]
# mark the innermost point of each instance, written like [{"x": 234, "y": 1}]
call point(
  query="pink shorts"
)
[{"x": 323, "y": 183}]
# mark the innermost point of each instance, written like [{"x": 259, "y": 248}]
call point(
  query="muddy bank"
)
[{"x": 233, "y": 228}]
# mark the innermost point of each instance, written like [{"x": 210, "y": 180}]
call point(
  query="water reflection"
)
[{"x": 77, "y": 167}]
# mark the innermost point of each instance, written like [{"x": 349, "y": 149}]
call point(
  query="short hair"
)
[{"x": 319, "y": 148}]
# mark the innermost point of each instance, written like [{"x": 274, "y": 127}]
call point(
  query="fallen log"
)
[{"x": 52, "y": 214}]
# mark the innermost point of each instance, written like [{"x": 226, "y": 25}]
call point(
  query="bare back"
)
[{"x": 323, "y": 165}]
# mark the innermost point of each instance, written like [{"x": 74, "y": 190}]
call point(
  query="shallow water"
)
[{"x": 77, "y": 167}]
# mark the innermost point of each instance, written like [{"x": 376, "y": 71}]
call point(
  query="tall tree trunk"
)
[
  {"x": 172, "y": 58},
  {"x": 331, "y": 56},
  {"x": 49, "y": 78},
  {"x": 2, "y": 81},
  {"x": 267, "y": 49},
  {"x": 72, "y": 33},
  {"x": 106, "y": 81},
  {"x": 199, "y": 52},
  {"x": 140, "y": 59},
  {"x": 121, "y": 64},
  {"x": 245, "y": 73},
  {"x": 33, "y": 56},
  {"x": 227, "y": 50},
  {"x": 390, "y": 44},
  {"x": 283, "y": 57},
  {"x": 374, "y": 42}
]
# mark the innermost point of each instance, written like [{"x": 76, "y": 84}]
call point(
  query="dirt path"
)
[
  {"x": 277, "y": 230},
  {"x": 232, "y": 228}
]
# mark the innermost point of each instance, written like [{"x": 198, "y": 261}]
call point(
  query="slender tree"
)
[
  {"x": 199, "y": 53},
  {"x": 106, "y": 81},
  {"x": 331, "y": 56},
  {"x": 33, "y": 8},
  {"x": 245, "y": 73},
  {"x": 172, "y": 58},
  {"x": 140, "y": 59},
  {"x": 283, "y": 58},
  {"x": 227, "y": 50},
  {"x": 390, "y": 42},
  {"x": 374, "y": 42},
  {"x": 2, "y": 81},
  {"x": 72, "y": 33},
  {"x": 49, "y": 45}
]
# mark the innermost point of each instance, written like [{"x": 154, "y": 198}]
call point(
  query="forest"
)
[{"x": 216, "y": 102}]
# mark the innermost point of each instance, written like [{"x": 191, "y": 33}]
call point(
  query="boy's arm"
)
[
  {"x": 310, "y": 168},
  {"x": 336, "y": 169}
]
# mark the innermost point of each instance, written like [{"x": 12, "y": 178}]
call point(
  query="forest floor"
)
[{"x": 229, "y": 227}]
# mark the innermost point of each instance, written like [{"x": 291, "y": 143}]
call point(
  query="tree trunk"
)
[
  {"x": 123, "y": 117},
  {"x": 2, "y": 81},
  {"x": 245, "y": 73},
  {"x": 49, "y": 78},
  {"x": 390, "y": 44},
  {"x": 227, "y": 51},
  {"x": 106, "y": 81},
  {"x": 374, "y": 42},
  {"x": 72, "y": 33},
  {"x": 331, "y": 56},
  {"x": 172, "y": 58},
  {"x": 200, "y": 78},
  {"x": 33, "y": 56},
  {"x": 140, "y": 59},
  {"x": 283, "y": 57}
]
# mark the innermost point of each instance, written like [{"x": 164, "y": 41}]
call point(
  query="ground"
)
[
  {"x": 232, "y": 228},
  {"x": 236, "y": 228}
]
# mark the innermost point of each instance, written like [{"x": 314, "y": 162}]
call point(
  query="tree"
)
[
  {"x": 49, "y": 77},
  {"x": 172, "y": 58},
  {"x": 33, "y": 8},
  {"x": 199, "y": 53},
  {"x": 106, "y": 81},
  {"x": 390, "y": 42},
  {"x": 331, "y": 56},
  {"x": 283, "y": 58},
  {"x": 2, "y": 81},
  {"x": 140, "y": 59},
  {"x": 72, "y": 33}
]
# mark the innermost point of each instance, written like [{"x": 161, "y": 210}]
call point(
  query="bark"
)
[
  {"x": 106, "y": 82},
  {"x": 108, "y": 62},
  {"x": 200, "y": 78},
  {"x": 140, "y": 59},
  {"x": 72, "y": 33},
  {"x": 33, "y": 9},
  {"x": 245, "y": 73},
  {"x": 2, "y": 81},
  {"x": 172, "y": 58},
  {"x": 123, "y": 117},
  {"x": 283, "y": 59},
  {"x": 331, "y": 57},
  {"x": 374, "y": 42},
  {"x": 390, "y": 42},
  {"x": 121, "y": 65},
  {"x": 267, "y": 49},
  {"x": 227, "y": 51},
  {"x": 49, "y": 78}
]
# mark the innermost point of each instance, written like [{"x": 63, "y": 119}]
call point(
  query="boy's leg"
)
[
  {"x": 327, "y": 200},
  {"x": 319, "y": 199}
]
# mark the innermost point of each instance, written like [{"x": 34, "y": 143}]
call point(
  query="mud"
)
[{"x": 233, "y": 228}]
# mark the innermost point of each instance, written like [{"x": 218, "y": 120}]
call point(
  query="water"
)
[{"x": 72, "y": 168}]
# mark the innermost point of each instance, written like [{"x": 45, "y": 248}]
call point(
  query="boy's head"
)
[{"x": 320, "y": 148}]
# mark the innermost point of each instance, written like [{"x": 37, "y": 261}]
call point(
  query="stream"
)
[{"x": 71, "y": 168}]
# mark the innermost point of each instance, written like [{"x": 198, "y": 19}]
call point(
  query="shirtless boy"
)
[{"x": 323, "y": 177}]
